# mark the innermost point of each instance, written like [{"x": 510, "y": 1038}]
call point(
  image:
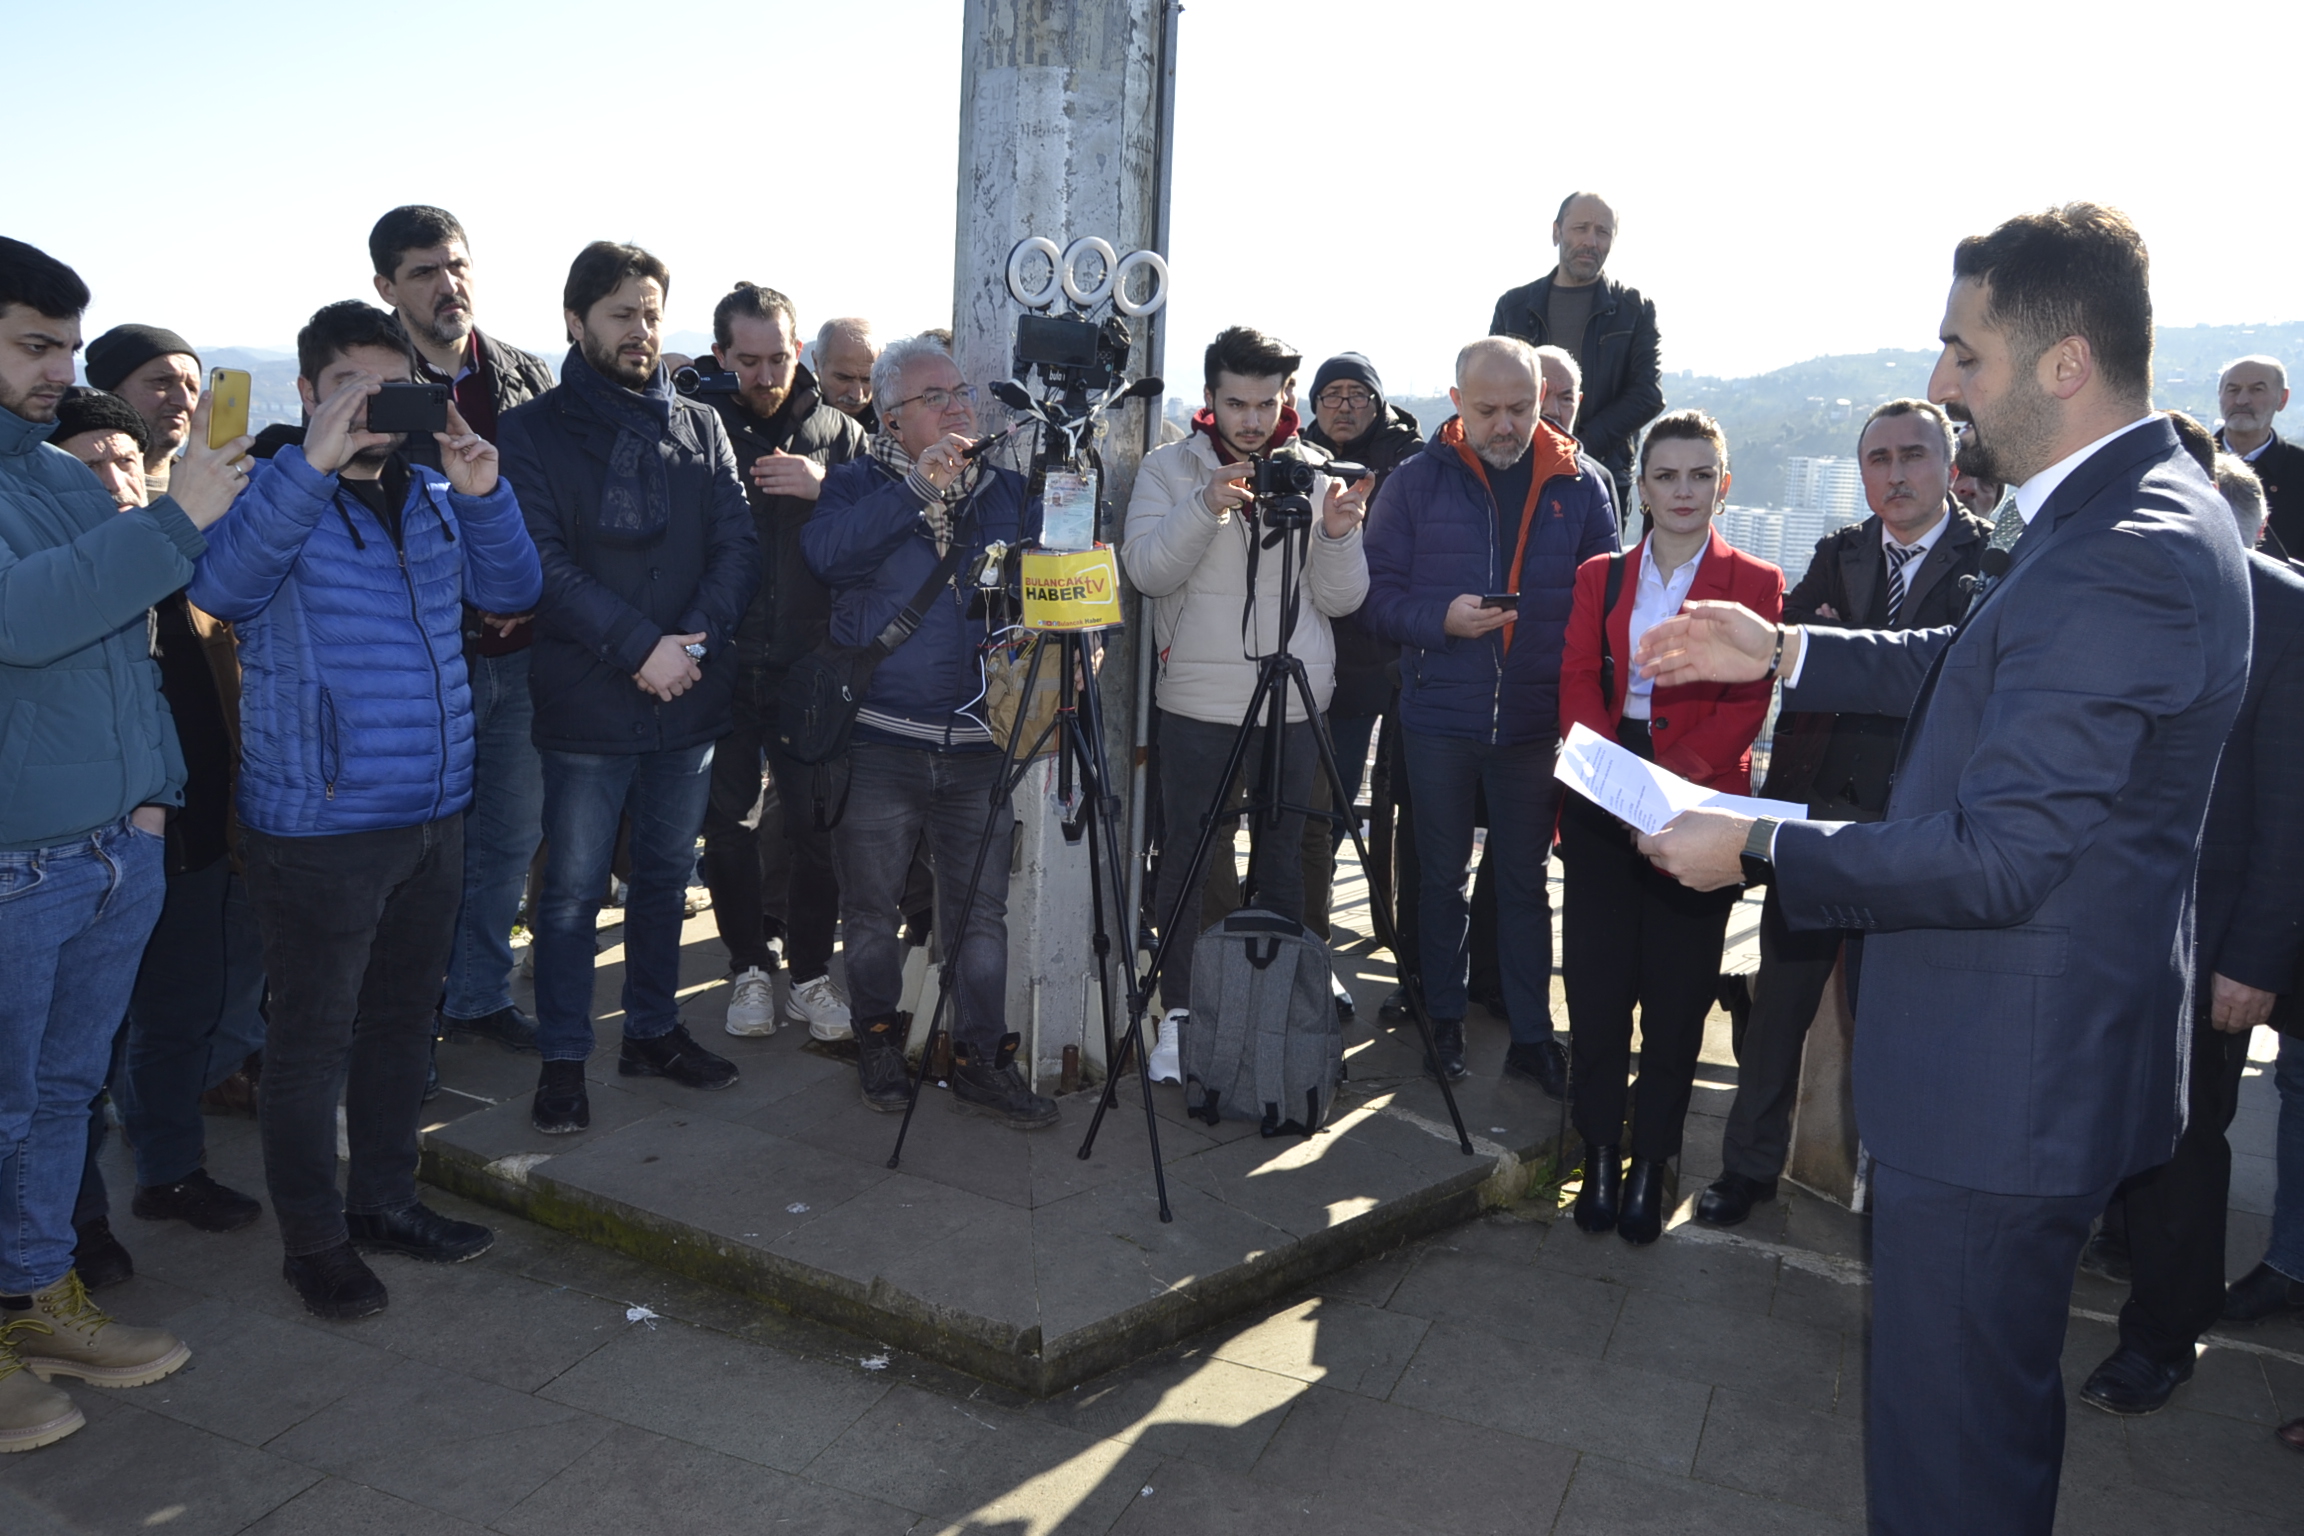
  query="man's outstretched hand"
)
[
  {"x": 1703, "y": 850},
  {"x": 1713, "y": 642}
]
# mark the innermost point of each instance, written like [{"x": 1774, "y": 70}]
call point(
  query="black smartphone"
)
[
  {"x": 1509, "y": 600},
  {"x": 413, "y": 408}
]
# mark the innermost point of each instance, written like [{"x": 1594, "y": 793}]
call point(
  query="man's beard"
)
[
  {"x": 35, "y": 404},
  {"x": 438, "y": 329},
  {"x": 374, "y": 458},
  {"x": 612, "y": 365},
  {"x": 765, "y": 400},
  {"x": 2015, "y": 447},
  {"x": 1501, "y": 453}
]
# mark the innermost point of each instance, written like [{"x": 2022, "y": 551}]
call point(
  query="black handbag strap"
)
[
  {"x": 1613, "y": 590},
  {"x": 913, "y": 613}
]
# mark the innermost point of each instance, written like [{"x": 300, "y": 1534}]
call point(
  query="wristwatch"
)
[
  {"x": 695, "y": 649},
  {"x": 1759, "y": 843}
]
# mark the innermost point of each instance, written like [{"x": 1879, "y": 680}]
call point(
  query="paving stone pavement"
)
[{"x": 1510, "y": 1375}]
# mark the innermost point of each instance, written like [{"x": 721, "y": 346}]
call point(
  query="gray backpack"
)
[{"x": 1262, "y": 1042}]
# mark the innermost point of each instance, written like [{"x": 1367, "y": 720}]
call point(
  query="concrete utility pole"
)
[{"x": 1065, "y": 108}]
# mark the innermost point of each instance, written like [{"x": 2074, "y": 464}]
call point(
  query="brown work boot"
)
[
  {"x": 81, "y": 1339},
  {"x": 32, "y": 1413}
]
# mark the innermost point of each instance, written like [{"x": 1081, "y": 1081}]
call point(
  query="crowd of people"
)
[{"x": 296, "y": 728}]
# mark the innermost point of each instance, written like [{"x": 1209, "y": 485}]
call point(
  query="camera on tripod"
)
[{"x": 1282, "y": 485}]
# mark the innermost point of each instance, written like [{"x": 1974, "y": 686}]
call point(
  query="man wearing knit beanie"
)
[
  {"x": 103, "y": 433},
  {"x": 158, "y": 374}
]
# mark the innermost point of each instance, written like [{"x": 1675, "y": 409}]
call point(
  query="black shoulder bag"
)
[
  {"x": 816, "y": 709},
  {"x": 1613, "y": 590}
]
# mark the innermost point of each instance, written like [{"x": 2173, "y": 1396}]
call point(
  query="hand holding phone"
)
[
  {"x": 1508, "y": 601},
  {"x": 227, "y": 402}
]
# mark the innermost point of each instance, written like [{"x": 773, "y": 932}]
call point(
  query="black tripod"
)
[
  {"x": 1084, "y": 785},
  {"x": 1276, "y": 675}
]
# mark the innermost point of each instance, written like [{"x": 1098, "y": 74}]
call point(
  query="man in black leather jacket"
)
[{"x": 1609, "y": 329}]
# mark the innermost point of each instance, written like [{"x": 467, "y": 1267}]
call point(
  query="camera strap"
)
[{"x": 1258, "y": 542}]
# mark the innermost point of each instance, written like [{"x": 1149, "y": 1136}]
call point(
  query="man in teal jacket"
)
[{"x": 88, "y": 767}]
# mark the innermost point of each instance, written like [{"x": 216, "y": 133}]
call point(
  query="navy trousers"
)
[{"x": 1964, "y": 1422}]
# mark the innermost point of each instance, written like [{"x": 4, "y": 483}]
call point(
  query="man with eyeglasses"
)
[{"x": 915, "y": 510}]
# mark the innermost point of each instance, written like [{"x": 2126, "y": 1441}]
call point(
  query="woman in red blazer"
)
[{"x": 1629, "y": 934}]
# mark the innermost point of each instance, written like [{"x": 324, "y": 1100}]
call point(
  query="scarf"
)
[
  {"x": 935, "y": 505},
  {"x": 636, "y": 496}
]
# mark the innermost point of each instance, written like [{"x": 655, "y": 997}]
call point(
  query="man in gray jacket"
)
[
  {"x": 89, "y": 767},
  {"x": 1191, "y": 533}
]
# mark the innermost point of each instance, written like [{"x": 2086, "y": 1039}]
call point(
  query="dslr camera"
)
[{"x": 1282, "y": 485}]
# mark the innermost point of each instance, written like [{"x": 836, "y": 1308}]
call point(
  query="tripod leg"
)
[
  {"x": 1003, "y": 788},
  {"x": 1376, "y": 909}
]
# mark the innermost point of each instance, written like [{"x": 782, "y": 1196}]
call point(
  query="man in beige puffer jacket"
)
[{"x": 1187, "y": 546}]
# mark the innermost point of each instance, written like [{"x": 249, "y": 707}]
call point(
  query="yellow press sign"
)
[{"x": 1071, "y": 591}]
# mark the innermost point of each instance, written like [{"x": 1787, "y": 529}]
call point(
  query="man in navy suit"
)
[{"x": 2026, "y": 984}]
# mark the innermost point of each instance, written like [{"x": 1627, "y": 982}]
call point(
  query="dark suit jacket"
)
[
  {"x": 2029, "y": 899},
  {"x": 2281, "y": 467},
  {"x": 1838, "y": 765},
  {"x": 2252, "y": 851}
]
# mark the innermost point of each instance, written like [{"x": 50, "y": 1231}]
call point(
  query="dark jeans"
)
[
  {"x": 1630, "y": 935},
  {"x": 895, "y": 795},
  {"x": 1351, "y": 734},
  {"x": 1486, "y": 975},
  {"x": 1795, "y": 968},
  {"x": 501, "y": 830},
  {"x": 1192, "y": 757},
  {"x": 1964, "y": 1409},
  {"x": 2175, "y": 1212},
  {"x": 586, "y": 796},
  {"x": 357, "y": 929},
  {"x": 767, "y": 861},
  {"x": 192, "y": 1020},
  {"x": 73, "y": 919},
  {"x": 1444, "y": 773}
]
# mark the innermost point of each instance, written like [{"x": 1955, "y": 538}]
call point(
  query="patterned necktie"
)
[
  {"x": 2008, "y": 527},
  {"x": 1898, "y": 555}
]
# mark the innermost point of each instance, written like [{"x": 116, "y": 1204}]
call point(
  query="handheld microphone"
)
[
  {"x": 1996, "y": 562},
  {"x": 1145, "y": 389}
]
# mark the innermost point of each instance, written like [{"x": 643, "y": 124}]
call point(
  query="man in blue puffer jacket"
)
[
  {"x": 343, "y": 570},
  {"x": 921, "y": 762},
  {"x": 1499, "y": 502}
]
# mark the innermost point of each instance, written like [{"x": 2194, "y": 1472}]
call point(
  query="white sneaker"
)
[
  {"x": 1168, "y": 1050},
  {"x": 819, "y": 1005},
  {"x": 752, "y": 1007}
]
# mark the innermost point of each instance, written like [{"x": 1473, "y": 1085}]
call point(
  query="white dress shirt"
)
[
  {"x": 1655, "y": 599},
  {"x": 1919, "y": 546}
]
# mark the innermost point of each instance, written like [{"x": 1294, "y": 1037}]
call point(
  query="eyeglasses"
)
[
  {"x": 940, "y": 400},
  {"x": 1345, "y": 399}
]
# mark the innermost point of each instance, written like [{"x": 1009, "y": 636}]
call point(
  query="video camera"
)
[
  {"x": 1282, "y": 485},
  {"x": 693, "y": 381}
]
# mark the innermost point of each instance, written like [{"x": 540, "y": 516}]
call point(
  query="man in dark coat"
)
[
  {"x": 2250, "y": 933},
  {"x": 650, "y": 561},
  {"x": 2250, "y": 394},
  {"x": 770, "y": 878},
  {"x": 1900, "y": 568},
  {"x": 1608, "y": 328}
]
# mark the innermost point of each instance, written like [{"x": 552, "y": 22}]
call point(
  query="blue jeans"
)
[
  {"x": 73, "y": 919},
  {"x": 501, "y": 831},
  {"x": 586, "y": 795},
  {"x": 2285, "y": 1253},
  {"x": 895, "y": 795},
  {"x": 1444, "y": 772}
]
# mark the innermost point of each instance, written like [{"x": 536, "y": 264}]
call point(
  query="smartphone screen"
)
[
  {"x": 1509, "y": 600},
  {"x": 227, "y": 405}
]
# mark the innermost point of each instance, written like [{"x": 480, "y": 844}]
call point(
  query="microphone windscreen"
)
[{"x": 1996, "y": 562}]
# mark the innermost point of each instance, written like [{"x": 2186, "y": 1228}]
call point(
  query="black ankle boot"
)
[
  {"x": 561, "y": 1104},
  {"x": 1597, "y": 1201},
  {"x": 880, "y": 1068},
  {"x": 996, "y": 1088},
  {"x": 1643, "y": 1218}
]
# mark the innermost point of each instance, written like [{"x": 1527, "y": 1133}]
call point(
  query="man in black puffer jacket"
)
[
  {"x": 650, "y": 561},
  {"x": 773, "y": 878}
]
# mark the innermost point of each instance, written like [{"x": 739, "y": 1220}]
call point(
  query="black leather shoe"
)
[
  {"x": 2106, "y": 1257},
  {"x": 561, "y": 1104},
  {"x": 2261, "y": 1293},
  {"x": 1542, "y": 1060},
  {"x": 198, "y": 1201},
  {"x": 2132, "y": 1383},
  {"x": 880, "y": 1070},
  {"x": 1643, "y": 1218},
  {"x": 997, "y": 1089},
  {"x": 677, "y": 1056},
  {"x": 1448, "y": 1040},
  {"x": 1730, "y": 1199},
  {"x": 336, "y": 1283},
  {"x": 420, "y": 1232},
  {"x": 1394, "y": 1009},
  {"x": 507, "y": 1026},
  {"x": 1601, "y": 1199},
  {"x": 431, "y": 1070},
  {"x": 98, "y": 1256}
]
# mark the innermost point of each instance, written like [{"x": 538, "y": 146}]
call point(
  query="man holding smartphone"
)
[
  {"x": 423, "y": 268},
  {"x": 343, "y": 574}
]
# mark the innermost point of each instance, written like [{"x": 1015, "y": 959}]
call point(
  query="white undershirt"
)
[{"x": 1655, "y": 599}]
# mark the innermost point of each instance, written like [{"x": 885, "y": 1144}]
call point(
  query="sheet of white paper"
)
[{"x": 1634, "y": 790}]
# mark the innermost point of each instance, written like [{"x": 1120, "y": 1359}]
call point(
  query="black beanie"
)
[
  {"x": 123, "y": 349},
  {"x": 92, "y": 410},
  {"x": 1348, "y": 365}
]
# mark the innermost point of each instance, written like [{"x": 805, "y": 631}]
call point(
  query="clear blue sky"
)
[{"x": 1790, "y": 177}]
